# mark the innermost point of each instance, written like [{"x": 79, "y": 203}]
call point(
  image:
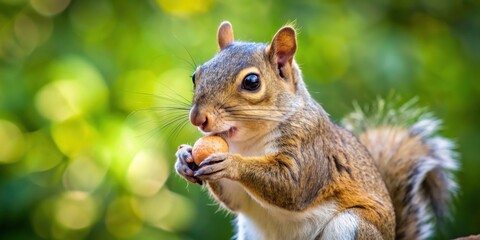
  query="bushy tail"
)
[{"x": 416, "y": 164}]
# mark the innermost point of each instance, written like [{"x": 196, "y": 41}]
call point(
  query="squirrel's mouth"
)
[{"x": 230, "y": 133}]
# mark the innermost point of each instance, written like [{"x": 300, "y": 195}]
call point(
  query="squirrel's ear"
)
[
  {"x": 224, "y": 35},
  {"x": 283, "y": 46}
]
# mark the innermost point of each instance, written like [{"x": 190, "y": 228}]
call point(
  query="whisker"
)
[
  {"x": 163, "y": 108},
  {"x": 177, "y": 94},
  {"x": 171, "y": 116},
  {"x": 258, "y": 110},
  {"x": 164, "y": 125},
  {"x": 183, "y": 101},
  {"x": 171, "y": 121},
  {"x": 144, "y": 123},
  {"x": 157, "y": 111},
  {"x": 168, "y": 118},
  {"x": 154, "y": 115},
  {"x": 177, "y": 129},
  {"x": 253, "y": 115},
  {"x": 258, "y": 117},
  {"x": 245, "y": 106},
  {"x": 251, "y": 119},
  {"x": 186, "y": 50},
  {"x": 191, "y": 57},
  {"x": 191, "y": 65},
  {"x": 224, "y": 101}
]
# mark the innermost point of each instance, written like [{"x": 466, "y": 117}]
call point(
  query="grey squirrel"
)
[{"x": 292, "y": 173}]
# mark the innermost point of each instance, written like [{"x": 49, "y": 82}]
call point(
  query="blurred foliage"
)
[{"x": 93, "y": 97}]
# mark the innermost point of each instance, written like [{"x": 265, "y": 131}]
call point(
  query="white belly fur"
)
[{"x": 261, "y": 222}]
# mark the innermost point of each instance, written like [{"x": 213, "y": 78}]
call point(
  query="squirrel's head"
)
[{"x": 247, "y": 88}]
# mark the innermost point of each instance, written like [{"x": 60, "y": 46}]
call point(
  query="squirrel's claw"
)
[
  {"x": 214, "y": 167},
  {"x": 184, "y": 165},
  {"x": 215, "y": 158}
]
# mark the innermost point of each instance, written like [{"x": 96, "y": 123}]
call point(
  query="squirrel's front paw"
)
[
  {"x": 217, "y": 166},
  {"x": 185, "y": 165}
]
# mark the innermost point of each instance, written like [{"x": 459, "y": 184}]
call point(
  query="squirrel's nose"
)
[{"x": 199, "y": 119}]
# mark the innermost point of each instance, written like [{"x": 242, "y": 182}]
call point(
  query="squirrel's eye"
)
[
  {"x": 193, "y": 78},
  {"x": 251, "y": 82}
]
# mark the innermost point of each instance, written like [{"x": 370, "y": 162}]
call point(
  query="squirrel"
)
[{"x": 293, "y": 173}]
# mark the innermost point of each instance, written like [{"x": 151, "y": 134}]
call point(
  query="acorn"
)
[{"x": 207, "y": 146}]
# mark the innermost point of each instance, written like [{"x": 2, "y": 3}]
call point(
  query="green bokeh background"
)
[{"x": 86, "y": 148}]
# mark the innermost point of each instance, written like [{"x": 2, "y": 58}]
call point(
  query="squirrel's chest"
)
[
  {"x": 247, "y": 151},
  {"x": 256, "y": 147}
]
